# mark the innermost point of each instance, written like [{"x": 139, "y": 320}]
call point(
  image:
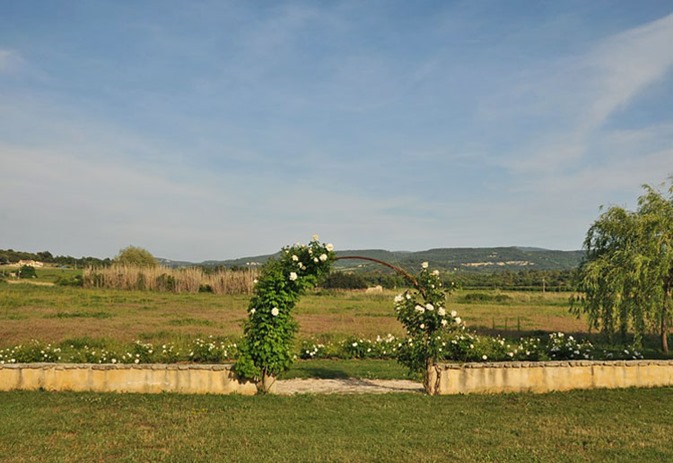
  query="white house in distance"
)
[{"x": 30, "y": 263}]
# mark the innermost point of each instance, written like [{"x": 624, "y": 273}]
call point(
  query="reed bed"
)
[{"x": 159, "y": 278}]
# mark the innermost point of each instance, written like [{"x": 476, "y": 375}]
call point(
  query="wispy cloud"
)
[
  {"x": 576, "y": 96},
  {"x": 624, "y": 66}
]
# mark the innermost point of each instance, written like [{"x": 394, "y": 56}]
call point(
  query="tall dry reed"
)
[{"x": 183, "y": 280}]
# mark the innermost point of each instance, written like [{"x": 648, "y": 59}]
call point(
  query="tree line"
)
[
  {"x": 10, "y": 256},
  {"x": 523, "y": 280}
]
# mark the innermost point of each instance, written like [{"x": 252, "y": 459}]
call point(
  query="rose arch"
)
[{"x": 266, "y": 350}]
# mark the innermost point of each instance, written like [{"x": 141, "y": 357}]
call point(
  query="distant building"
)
[{"x": 31, "y": 263}]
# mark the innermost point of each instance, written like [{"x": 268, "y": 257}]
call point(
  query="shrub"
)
[
  {"x": 27, "y": 271},
  {"x": 343, "y": 280},
  {"x": 70, "y": 281},
  {"x": 562, "y": 347},
  {"x": 212, "y": 351},
  {"x": 34, "y": 351},
  {"x": 484, "y": 297}
]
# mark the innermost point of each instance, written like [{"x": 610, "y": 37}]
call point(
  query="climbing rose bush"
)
[
  {"x": 427, "y": 321},
  {"x": 267, "y": 348}
]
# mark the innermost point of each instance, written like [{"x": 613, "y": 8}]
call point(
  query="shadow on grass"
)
[{"x": 305, "y": 370}]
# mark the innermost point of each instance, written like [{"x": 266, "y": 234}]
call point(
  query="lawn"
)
[{"x": 580, "y": 426}]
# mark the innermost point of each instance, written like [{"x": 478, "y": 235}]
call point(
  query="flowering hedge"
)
[
  {"x": 461, "y": 346},
  {"x": 199, "y": 350},
  {"x": 267, "y": 349}
]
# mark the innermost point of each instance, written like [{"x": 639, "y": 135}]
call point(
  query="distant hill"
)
[{"x": 453, "y": 259}]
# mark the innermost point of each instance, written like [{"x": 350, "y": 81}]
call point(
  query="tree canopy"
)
[
  {"x": 627, "y": 275},
  {"x": 133, "y": 255}
]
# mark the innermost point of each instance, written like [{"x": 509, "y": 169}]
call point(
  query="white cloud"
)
[
  {"x": 569, "y": 103},
  {"x": 625, "y": 65}
]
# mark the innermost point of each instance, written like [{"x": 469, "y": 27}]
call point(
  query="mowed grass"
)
[
  {"x": 57, "y": 314},
  {"x": 580, "y": 426}
]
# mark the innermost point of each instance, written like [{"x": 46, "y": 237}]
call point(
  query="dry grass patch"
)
[
  {"x": 182, "y": 280},
  {"x": 54, "y": 314}
]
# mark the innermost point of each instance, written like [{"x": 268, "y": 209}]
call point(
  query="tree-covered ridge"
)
[
  {"x": 10, "y": 256},
  {"x": 451, "y": 259}
]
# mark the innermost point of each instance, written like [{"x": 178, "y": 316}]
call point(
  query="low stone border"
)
[
  {"x": 448, "y": 378},
  {"x": 153, "y": 378},
  {"x": 470, "y": 378}
]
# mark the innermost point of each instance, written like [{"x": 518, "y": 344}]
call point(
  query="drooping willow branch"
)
[{"x": 410, "y": 278}]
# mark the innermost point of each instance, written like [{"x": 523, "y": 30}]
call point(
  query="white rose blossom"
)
[
  {"x": 435, "y": 273},
  {"x": 454, "y": 313},
  {"x": 323, "y": 257},
  {"x": 444, "y": 322},
  {"x": 293, "y": 276},
  {"x": 316, "y": 238},
  {"x": 419, "y": 308},
  {"x": 295, "y": 258},
  {"x": 399, "y": 298},
  {"x": 458, "y": 320},
  {"x": 424, "y": 265},
  {"x": 275, "y": 311},
  {"x": 429, "y": 307},
  {"x": 441, "y": 311},
  {"x": 329, "y": 247}
]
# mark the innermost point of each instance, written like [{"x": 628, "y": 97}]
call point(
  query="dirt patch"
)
[
  {"x": 346, "y": 386},
  {"x": 28, "y": 282}
]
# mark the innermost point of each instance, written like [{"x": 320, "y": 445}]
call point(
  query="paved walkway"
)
[{"x": 346, "y": 386}]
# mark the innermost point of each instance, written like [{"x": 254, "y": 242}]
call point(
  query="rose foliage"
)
[
  {"x": 267, "y": 348},
  {"x": 426, "y": 320}
]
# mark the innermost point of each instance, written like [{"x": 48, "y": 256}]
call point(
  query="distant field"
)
[
  {"x": 45, "y": 274},
  {"x": 56, "y": 314}
]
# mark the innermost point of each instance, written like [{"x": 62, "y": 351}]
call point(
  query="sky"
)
[{"x": 221, "y": 129}]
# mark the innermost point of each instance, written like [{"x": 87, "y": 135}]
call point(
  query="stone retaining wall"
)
[
  {"x": 445, "y": 378},
  {"x": 549, "y": 376},
  {"x": 154, "y": 378}
]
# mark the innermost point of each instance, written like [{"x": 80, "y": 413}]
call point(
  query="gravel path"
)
[{"x": 346, "y": 386}]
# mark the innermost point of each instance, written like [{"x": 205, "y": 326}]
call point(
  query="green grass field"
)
[{"x": 581, "y": 426}]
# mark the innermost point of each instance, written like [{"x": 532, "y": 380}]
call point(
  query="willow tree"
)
[{"x": 627, "y": 275}]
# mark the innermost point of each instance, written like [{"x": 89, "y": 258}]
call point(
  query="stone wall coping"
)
[
  {"x": 227, "y": 366},
  {"x": 553, "y": 364},
  {"x": 117, "y": 366}
]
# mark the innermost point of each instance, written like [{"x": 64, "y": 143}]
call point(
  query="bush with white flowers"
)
[
  {"x": 267, "y": 348},
  {"x": 426, "y": 320}
]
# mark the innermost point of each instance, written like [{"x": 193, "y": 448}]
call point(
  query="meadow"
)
[{"x": 57, "y": 314}]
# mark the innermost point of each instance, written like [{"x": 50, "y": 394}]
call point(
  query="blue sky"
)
[{"x": 214, "y": 129}]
